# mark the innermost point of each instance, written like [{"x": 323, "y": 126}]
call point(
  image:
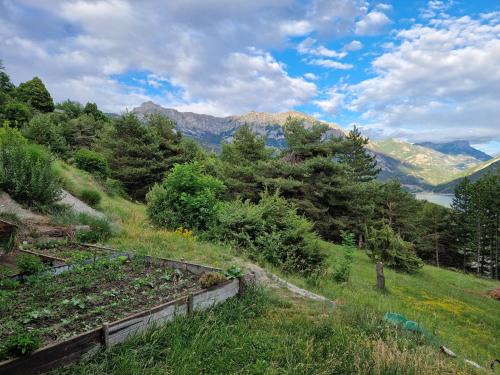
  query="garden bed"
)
[
  {"x": 65, "y": 252},
  {"x": 99, "y": 304}
]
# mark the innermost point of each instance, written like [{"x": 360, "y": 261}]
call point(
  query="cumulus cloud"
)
[
  {"x": 333, "y": 103},
  {"x": 308, "y": 46},
  {"x": 355, "y": 45},
  {"x": 213, "y": 51},
  {"x": 373, "y": 23},
  {"x": 440, "y": 82},
  {"x": 332, "y": 64}
]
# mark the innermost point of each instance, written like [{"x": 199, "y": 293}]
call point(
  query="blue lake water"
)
[{"x": 442, "y": 199}]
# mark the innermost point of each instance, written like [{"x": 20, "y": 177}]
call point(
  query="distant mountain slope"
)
[
  {"x": 418, "y": 165},
  {"x": 473, "y": 173},
  {"x": 456, "y": 148},
  {"x": 210, "y": 131}
]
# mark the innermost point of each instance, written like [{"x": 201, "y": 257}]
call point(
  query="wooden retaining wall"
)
[{"x": 71, "y": 350}]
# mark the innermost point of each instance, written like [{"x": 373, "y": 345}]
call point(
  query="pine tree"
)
[
  {"x": 362, "y": 164},
  {"x": 434, "y": 233},
  {"x": 6, "y": 86},
  {"x": 35, "y": 93}
]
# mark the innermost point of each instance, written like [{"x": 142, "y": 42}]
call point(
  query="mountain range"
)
[{"x": 420, "y": 166}]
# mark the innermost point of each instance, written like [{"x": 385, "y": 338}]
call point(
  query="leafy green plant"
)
[
  {"x": 29, "y": 264},
  {"x": 26, "y": 171},
  {"x": 186, "y": 198},
  {"x": 91, "y": 161},
  {"x": 20, "y": 344},
  {"x": 75, "y": 302},
  {"x": 233, "y": 272},
  {"x": 271, "y": 231},
  {"x": 387, "y": 246},
  {"x": 91, "y": 197}
]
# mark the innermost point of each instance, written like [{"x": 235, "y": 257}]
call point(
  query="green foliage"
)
[
  {"x": 47, "y": 129},
  {"x": 71, "y": 108},
  {"x": 361, "y": 164},
  {"x": 241, "y": 162},
  {"x": 17, "y": 113},
  {"x": 187, "y": 198},
  {"x": 92, "y": 110},
  {"x": 101, "y": 228},
  {"x": 342, "y": 269},
  {"x": 82, "y": 131},
  {"x": 35, "y": 93},
  {"x": 233, "y": 272},
  {"x": 387, "y": 246},
  {"x": 6, "y": 86},
  {"x": 140, "y": 154},
  {"x": 91, "y": 197},
  {"x": 26, "y": 171},
  {"x": 29, "y": 264},
  {"x": 20, "y": 344},
  {"x": 271, "y": 231},
  {"x": 92, "y": 161}
]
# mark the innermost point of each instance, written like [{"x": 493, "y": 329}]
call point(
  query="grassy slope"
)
[{"x": 452, "y": 304}]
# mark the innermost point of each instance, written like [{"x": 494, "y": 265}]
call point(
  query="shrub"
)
[
  {"x": 20, "y": 344},
  {"x": 342, "y": 270},
  {"x": 29, "y": 264},
  {"x": 186, "y": 198},
  {"x": 47, "y": 129},
  {"x": 92, "y": 162},
  {"x": 271, "y": 231},
  {"x": 100, "y": 229},
  {"x": 26, "y": 171},
  {"x": 91, "y": 197},
  {"x": 387, "y": 246}
]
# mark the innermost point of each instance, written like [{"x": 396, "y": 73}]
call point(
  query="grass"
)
[{"x": 287, "y": 335}]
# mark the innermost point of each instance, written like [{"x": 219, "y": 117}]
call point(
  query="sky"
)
[{"x": 420, "y": 70}]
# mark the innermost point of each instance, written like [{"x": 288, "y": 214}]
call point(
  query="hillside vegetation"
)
[{"x": 277, "y": 333}]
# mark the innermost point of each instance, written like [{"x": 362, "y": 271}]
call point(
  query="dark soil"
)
[{"x": 59, "y": 307}]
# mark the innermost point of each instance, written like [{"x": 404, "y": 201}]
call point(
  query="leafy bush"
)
[
  {"x": 91, "y": 197},
  {"x": 387, "y": 246},
  {"x": 20, "y": 344},
  {"x": 100, "y": 229},
  {"x": 186, "y": 198},
  {"x": 47, "y": 130},
  {"x": 26, "y": 171},
  {"x": 342, "y": 269},
  {"x": 29, "y": 264},
  {"x": 272, "y": 231},
  {"x": 91, "y": 161}
]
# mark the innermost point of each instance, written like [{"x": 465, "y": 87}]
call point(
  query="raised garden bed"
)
[
  {"x": 65, "y": 252},
  {"x": 100, "y": 304}
]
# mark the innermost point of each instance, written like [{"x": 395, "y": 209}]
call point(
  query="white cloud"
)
[
  {"x": 311, "y": 76},
  {"x": 332, "y": 64},
  {"x": 440, "y": 82},
  {"x": 372, "y": 24},
  {"x": 355, "y": 45},
  {"x": 332, "y": 104},
  {"x": 213, "y": 52},
  {"x": 308, "y": 46},
  {"x": 384, "y": 7}
]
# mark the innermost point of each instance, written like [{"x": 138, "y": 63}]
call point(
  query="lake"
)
[{"x": 442, "y": 199}]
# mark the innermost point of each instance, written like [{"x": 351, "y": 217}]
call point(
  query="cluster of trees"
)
[{"x": 258, "y": 198}]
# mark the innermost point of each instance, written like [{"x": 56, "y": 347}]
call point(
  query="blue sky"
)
[{"x": 417, "y": 70}]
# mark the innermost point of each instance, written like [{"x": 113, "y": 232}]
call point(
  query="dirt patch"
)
[{"x": 495, "y": 293}]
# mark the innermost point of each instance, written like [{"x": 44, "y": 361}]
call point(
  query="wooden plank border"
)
[{"x": 110, "y": 334}]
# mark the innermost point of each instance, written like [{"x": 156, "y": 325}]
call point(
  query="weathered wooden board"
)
[
  {"x": 52, "y": 356},
  {"x": 215, "y": 295}
]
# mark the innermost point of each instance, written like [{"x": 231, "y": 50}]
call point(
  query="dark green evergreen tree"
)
[
  {"x": 36, "y": 94},
  {"x": 362, "y": 165}
]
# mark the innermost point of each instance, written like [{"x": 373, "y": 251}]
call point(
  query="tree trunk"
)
[
  {"x": 478, "y": 233},
  {"x": 380, "y": 276}
]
